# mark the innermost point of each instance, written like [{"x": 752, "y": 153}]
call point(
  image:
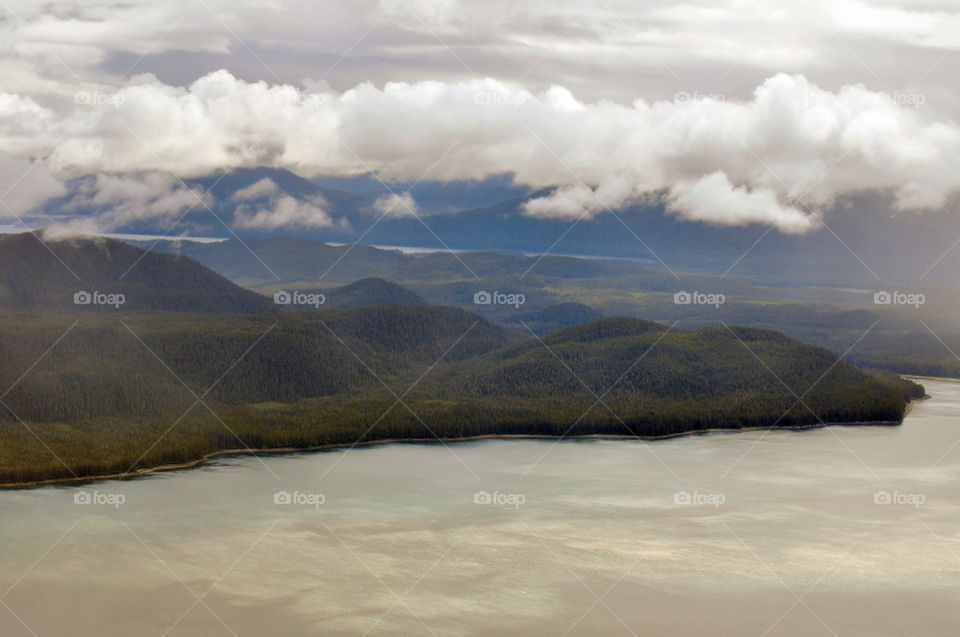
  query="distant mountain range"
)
[
  {"x": 107, "y": 275},
  {"x": 861, "y": 245}
]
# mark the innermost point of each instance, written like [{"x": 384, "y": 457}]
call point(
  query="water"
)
[{"x": 783, "y": 535}]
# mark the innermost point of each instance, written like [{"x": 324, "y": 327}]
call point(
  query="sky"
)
[{"x": 728, "y": 112}]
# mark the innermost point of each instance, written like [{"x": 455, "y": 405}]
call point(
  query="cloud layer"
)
[
  {"x": 781, "y": 157},
  {"x": 725, "y": 113}
]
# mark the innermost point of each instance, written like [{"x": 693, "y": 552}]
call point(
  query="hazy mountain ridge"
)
[{"x": 862, "y": 242}]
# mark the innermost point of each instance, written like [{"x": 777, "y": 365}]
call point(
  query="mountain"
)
[
  {"x": 860, "y": 244},
  {"x": 372, "y": 291},
  {"x": 265, "y": 263},
  {"x": 907, "y": 339},
  {"x": 243, "y": 194},
  {"x": 99, "y": 274},
  {"x": 863, "y": 242},
  {"x": 658, "y": 381},
  {"x": 435, "y": 197},
  {"x": 282, "y": 260},
  {"x": 249, "y": 201},
  {"x": 549, "y": 319}
]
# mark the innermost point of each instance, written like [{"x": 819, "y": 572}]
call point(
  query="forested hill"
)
[
  {"x": 658, "y": 381},
  {"x": 372, "y": 291},
  {"x": 46, "y": 275},
  {"x": 119, "y": 392}
]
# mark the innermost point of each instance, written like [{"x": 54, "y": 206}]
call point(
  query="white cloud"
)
[
  {"x": 615, "y": 49},
  {"x": 791, "y": 140},
  {"x": 262, "y": 188},
  {"x": 25, "y": 184},
  {"x": 109, "y": 202},
  {"x": 282, "y": 212},
  {"x": 714, "y": 199},
  {"x": 396, "y": 205}
]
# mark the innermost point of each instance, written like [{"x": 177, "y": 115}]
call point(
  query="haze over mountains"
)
[
  {"x": 861, "y": 245},
  {"x": 234, "y": 369},
  {"x": 554, "y": 292}
]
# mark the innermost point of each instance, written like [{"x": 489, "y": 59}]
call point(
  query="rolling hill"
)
[
  {"x": 111, "y": 275},
  {"x": 111, "y": 394},
  {"x": 372, "y": 291}
]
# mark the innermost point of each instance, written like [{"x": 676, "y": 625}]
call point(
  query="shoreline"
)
[
  {"x": 944, "y": 379},
  {"x": 192, "y": 464}
]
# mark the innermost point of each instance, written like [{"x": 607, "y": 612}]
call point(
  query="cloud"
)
[
  {"x": 282, "y": 212},
  {"x": 108, "y": 202},
  {"x": 262, "y": 188},
  {"x": 265, "y": 207},
  {"x": 396, "y": 205},
  {"x": 25, "y": 184},
  {"x": 791, "y": 147},
  {"x": 714, "y": 199},
  {"x": 614, "y": 50}
]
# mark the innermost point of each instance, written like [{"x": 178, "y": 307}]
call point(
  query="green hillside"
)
[
  {"x": 372, "y": 291},
  {"x": 47, "y": 275},
  {"x": 117, "y": 392}
]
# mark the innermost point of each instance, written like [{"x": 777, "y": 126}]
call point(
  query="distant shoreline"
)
[
  {"x": 192, "y": 464},
  {"x": 945, "y": 379}
]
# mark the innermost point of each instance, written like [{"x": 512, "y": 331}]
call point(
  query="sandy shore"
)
[{"x": 388, "y": 441}]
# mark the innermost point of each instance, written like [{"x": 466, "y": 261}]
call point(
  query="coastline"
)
[
  {"x": 192, "y": 464},
  {"x": 944, "y": 379}
]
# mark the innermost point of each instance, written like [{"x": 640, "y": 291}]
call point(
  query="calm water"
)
[{"x": 779, "y": 533}]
